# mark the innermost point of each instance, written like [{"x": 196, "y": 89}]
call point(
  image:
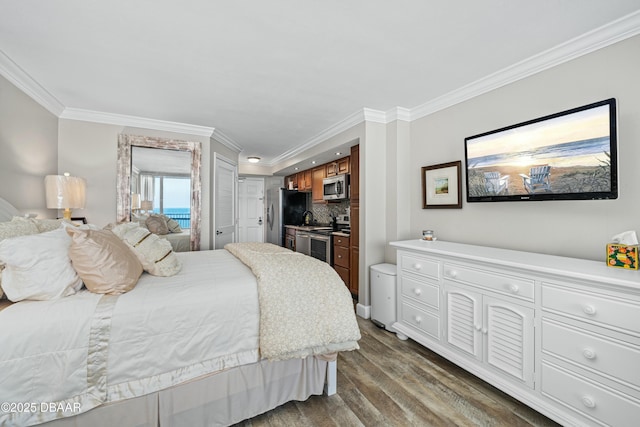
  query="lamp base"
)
[{"x": 67, "y": 214}]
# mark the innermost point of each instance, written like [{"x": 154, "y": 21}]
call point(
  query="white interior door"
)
[
  {"x": 251, "y": 210},
  {"x": 225, "y": 201}
]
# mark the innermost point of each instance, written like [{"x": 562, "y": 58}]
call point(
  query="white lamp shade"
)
[{"x": 64, "y": 192}]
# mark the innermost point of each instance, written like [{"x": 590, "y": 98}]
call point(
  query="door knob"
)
[
  {"x": 260, "y": 221},
  {"x": 218, "y": 232}
]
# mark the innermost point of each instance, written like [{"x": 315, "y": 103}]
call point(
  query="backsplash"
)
[{"x": 322, "y": 213}]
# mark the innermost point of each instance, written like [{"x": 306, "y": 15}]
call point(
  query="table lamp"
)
[{"x": 65, "y": 192}]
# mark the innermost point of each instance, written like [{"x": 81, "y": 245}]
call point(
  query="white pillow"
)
[
  {"x": 37, "y": 267},
  {"x": 154, "y": 252}
]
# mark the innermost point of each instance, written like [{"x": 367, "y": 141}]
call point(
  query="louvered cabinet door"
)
[
  {"x": 464, "y": 321},
  {"x": 508, "y": 335}
]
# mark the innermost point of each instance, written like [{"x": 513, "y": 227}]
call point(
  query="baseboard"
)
[{"x": 363, "y": 311}]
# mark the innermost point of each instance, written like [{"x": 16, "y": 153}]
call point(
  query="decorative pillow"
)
[
  {"x": 157, "y": 224},
  {"x": 154, "y": 252},
  {"x": 18, "y": 226},
  {"x": 103, "y": 262},
  {"x": 172, "y": 225},
  {"x": 37, "y": 267},
  {"x": 45, "y": 225}
]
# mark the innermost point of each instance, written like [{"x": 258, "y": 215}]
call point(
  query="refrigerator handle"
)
[{"x": 270, "y": 217}]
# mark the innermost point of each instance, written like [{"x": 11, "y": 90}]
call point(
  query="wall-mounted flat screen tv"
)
[{"x": 569, "y": 155}]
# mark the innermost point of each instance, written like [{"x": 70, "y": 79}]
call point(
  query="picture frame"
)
[{"x": 442, "y": 186}]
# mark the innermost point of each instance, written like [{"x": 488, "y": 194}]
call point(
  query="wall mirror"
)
[{"x": 158, "y": 175}]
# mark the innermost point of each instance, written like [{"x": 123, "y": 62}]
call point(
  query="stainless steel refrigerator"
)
[{"x": 284, "y": 207}]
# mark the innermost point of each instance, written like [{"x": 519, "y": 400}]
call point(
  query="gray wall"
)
[
  {"x": 571, "y": 228},
  {"x": 28, "y": 150}
]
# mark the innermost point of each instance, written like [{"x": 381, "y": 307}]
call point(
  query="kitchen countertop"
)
[
  {"x": 307, "y": 227},
  {"x": 314, "y": 227}
]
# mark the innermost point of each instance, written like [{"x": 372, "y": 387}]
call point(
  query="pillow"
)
[
  {"x": 172, "y": 225},
  {"x": 18, "y": 226},
  {"x": 157, "y": 224},
  {"x": 154, "y": 252},
  {"x": 37, "y": 267},
  {"x": 45, "y": 225},
  {"x": 103, "y": 262}
]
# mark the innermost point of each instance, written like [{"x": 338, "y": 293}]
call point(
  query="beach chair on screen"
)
[
  {"x": 538, "y": 179},
  {"x": 495, "y": 183}
]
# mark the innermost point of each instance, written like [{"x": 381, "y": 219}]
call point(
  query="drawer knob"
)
[
  {"x": 589, "y": 353},
  {"x": 589, "y": 309},
  {"x": 339, "y": 256},
  {"x": 588, "y": 402},
  {"x": 417, "y": 291},
  {"x": 484, "y": 331},
  {"x": 452, "y": 273},
  {"x": 418, "y": 319},
  {"x": 417, "y": 266},
  {"x": 478, "y": 327},
  {"x": 514, "y": 288}
]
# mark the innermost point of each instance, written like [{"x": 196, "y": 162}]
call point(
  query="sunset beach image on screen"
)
[{"x": 568, "y": 155}]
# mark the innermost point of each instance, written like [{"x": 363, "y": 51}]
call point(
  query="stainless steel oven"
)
[{"x": 321, "y": 245}]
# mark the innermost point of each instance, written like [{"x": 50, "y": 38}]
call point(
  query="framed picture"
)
[{"x": 442, "y": 186}]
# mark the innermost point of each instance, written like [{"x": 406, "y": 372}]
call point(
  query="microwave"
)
[{"x": 335, "y": 187}]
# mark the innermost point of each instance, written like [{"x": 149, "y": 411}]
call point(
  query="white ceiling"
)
[{"x": 270, "y": 76}]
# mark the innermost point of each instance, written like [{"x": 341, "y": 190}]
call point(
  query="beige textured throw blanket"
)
[{"x": 305, "y": 308}]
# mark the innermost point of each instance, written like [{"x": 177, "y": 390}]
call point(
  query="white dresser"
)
[{"x": 560, "y": 334}]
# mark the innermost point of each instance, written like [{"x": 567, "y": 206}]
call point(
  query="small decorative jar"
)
[{"x": 427, "y": 234}]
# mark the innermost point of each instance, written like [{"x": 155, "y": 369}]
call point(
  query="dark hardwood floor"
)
[{"x": 389, "y": 382}]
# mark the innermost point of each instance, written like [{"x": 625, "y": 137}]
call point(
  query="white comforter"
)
[{"x": 165, "y": 331}]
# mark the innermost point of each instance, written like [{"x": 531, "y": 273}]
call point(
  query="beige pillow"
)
[
  {"x": 157, "y": 224},
  {"x": 45, "y": 224},
  {"x": 104, "y": 263},
  {"x": 154, "y": 252},
  {"x": 173, "y": 225},
  {"x": 18, "y": 226}
]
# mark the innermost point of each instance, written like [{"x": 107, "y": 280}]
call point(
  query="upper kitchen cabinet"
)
[
  {"x": 291, "y": 182},
  {"x": 338, "y": 167},
  {"x": 305, "y": 180},
  {"x": 354, "y": 161},
  {"x": 317, "y": 175}
]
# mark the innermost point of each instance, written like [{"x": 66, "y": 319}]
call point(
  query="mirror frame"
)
[{"x": 123, "y": 186}]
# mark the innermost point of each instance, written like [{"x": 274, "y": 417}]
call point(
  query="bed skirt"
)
[{"x": 219, "y": 399}]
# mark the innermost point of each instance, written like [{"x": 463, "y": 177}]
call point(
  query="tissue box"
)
[{"x": 622, "y": 256}]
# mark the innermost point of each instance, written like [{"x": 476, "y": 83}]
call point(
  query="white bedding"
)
[{"x": 165, "y": 331}]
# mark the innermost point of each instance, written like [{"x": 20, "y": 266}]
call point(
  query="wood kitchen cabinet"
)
[
  {"x": 305, "y": 180},
  {"x": 341, "y": 258},
  {"x": 338, "y": 167},
  {"x": 317, "y": 175},
  {"x": 291, "y": 182},
  {"x": 354, "y": 251},
  {"x": 290, "y": 239}
]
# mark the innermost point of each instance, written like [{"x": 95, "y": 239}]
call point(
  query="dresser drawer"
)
[
  {"x": 419, "y": 265},
  {"x": 341, "y": 256},
  {"x": 425, "y": 293},
  {"x": 420, "y": 319},
  {"x": 588, "y": 398},
  {"x": 594, "y": 308},
  {"x": 611, "y": 358},
  {"x": 506, "y": 284}
]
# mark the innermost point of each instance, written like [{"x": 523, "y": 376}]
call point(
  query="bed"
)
[{"x": 230, "y": 336}]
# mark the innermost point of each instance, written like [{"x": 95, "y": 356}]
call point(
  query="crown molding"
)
[
  {"x": 23, "y": 81},
  {"x": 226, "y": 141},
  {"x": 398, "y": 113},
  {"x": 613, "y": 32},
  {"x": 345, "y": 124},
  {"x": 133, "y": 121}
]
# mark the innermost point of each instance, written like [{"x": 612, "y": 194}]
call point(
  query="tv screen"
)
[{"x": 569, "y": 155}]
